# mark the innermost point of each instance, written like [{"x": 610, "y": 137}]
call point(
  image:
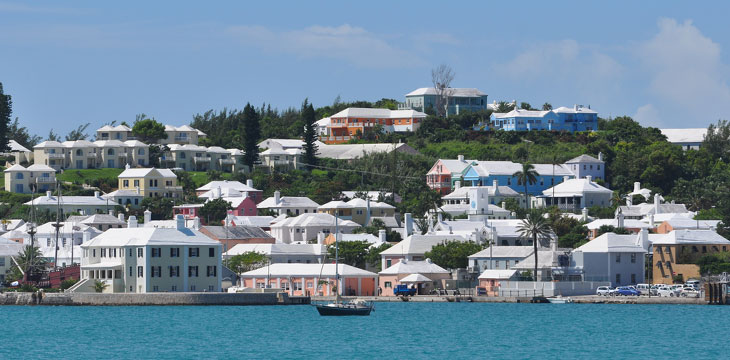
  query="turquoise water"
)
[{"x": 395, "y": 330}]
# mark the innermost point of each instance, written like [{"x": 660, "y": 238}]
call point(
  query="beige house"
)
[
  {"x": 143, "y": 260},
  {"x": 82, "y": 154},
  {"x": 150, "y": 182},
  {"x": 119, "y": 133},
  {"x": 276, "y": 157},
  {"x": 175, "y": 134},
  {"x": 51, "y": 153},
  {"x": 19, "y": 179}
]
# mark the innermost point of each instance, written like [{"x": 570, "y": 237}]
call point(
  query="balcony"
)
[
  {"x": 174, "y": 188},
  {"x": 227, "y": 161},
  {"x": 439, "y": 185},
  {"x": 201, "y": 159},
  {"x": 45, "y": 180},
  {"x": 56, "y": 156}
]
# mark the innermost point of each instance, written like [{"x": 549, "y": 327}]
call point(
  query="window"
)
[
  {"x": 388, "y": 263},
  {"x": 211, "y": 288},
  {"x": 136, "y": 183},
  {"x": 388, "y": 284},
  {"x": 140, "y": 151},
  {"x": 103, "y": 252},
  {"x": 2, "y": 261},
  {"x": 156, "y": 252},
  {"x": 174, "y": 252},
  {"x": 618, "y": 258},
  {"x": 140, "y": 271},
  {"x": 310, "y": 284},
  {"x": 156, "y": 270},
  {"x": 496, "y": 264},
  {"x": 212, "y": 271},
  {"x": 192, "y": 271},
  {"x": 140, "y": 252},
  {"x": 93, "y": 251},
  {"x": 211, "y": 252},
  {"x": 633, "y": 261},
  {"x": 173, "y": 288},
  {"x": 155, "y": 288},
  {"x": 174, "y": 271},
  {"x": 192, "y": 287},
  {"x": 130, "y": 272},
  {"x": 126, "y": 183},
  {"x": 130, "y": 253},
  {"x": 618, "y": 279},
  {"x": 193, "y": 252},
  {"x": 633, "y": 278}
]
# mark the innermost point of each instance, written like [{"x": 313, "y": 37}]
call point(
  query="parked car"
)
[
  {"x": 643, "y": 288},
  {"x": 403, "y": 289},
  {"x": 689, "y": 291},
  {"x": 605, "y": 291},
  {"x": 693, "y": 283},
  {"x": 627, "y": 291},
  {"x": 667, "y": 291},
  {"x": 654, "y": 289}
]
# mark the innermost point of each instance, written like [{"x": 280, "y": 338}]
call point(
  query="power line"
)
[{"x": 364, "y": 172}]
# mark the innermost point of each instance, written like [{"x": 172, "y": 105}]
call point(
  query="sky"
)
[{"x": 665, "y": 63}]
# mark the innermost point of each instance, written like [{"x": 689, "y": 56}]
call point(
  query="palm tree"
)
[
  {"x": 30, "y": 260},
  {"x": 525, "y": 176},
  {"x": 534, "y": 226}
]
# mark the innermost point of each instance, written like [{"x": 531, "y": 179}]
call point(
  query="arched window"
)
[
  {"x": 79, "y": 152},
  {"x": 110, "y": 152},
  {"x": 19, "y": 176}
]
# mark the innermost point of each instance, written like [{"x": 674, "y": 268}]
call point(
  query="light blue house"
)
[
  {"x": 483, "y": 173},
  {"x": 577, "y": 118},
  {"x": 460, "y": 99},
  {"x": 611, "y": 257}
]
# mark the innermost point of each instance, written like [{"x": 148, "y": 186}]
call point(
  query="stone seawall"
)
[{"x": 95, "y": 299}]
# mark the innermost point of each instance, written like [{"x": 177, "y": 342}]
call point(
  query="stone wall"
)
[{"x": 13, "y": 298}]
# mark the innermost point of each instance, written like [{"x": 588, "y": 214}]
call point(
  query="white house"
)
[
  {"x": 80, "y": 204},
  {"x": 145, "y": 259},
  {"x": 576, "y": 194},
  {"x": 290, "y": 205},
  {"x": 8, "y": 249},
  {"x": 283, "y": 253},
  {"x": 305, "y": 227},
  {"x": 611, "y": 257}
]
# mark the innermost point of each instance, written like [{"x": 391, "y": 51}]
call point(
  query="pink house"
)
[
  {"x": 491, "y": 280},
  {"x": 300, "y": 279},
  {"x": 444, "y": 172}
]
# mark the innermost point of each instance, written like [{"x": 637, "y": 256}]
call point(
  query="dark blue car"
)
[{"x": 627, "y": 291}]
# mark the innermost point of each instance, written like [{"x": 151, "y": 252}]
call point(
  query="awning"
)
[
  {"x": 102, "y": 265},
  {"x": 415, "y": 278}
]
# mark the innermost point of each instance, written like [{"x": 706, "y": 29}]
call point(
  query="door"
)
[
  {"x": 19, "y": 188},
  {"x": 79, "y": 164},
  {"x": 110, "y": 163}
]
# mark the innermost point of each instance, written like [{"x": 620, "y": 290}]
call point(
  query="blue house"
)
[
  {"x": 483, "y": 173},
  {"x": 577, "y": 118},
  {"x": 460, "y": 99}
]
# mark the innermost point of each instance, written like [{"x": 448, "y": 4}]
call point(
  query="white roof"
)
[
  {"x": 226, "y": 184},
  {"x": 284, "y": 143},
  {"x": 102, "y": 219},
  {"x": 679, "y": 136},
  {"x": 463, "y": 192},
  {"x": 78, "y": 144},
  {"x": 16, "y": 168},
  {"x": 114, "y": 128},
  {"x": 414, "y": 267},
  {"x": 353, "y": 112},
  {"x": 688, "y": 223},
  {"x": 15, "y": 146},
  {"x": 628, "y": 223},
  {"x": 122, "y": 193},
  {"x": 504, "y": 252},
  {"x": 420, "y": 244},
  {"x": 455, "y": 166},
  {"x": 688, "y": 237},
  {"x": 109, "y": 143},
  {"x": 335, "y": 204},
  {"x": 584, "y": 159},
  {"x": 70, "y": 200},
  {"x": 288, "y": 202},
  {"x": 10, "y": 248},
  {"x": 515, "y": 113},
  {"x": 278, "y": 249},
  {"x": 134, "y": 143},
  {"x": 48, "y": 144},
  {"x": 613, "y": 243},
  {"x": 41, "y": 167},
  {"x": 314, "y": 219},
  {"x": 143, "y": 236},
  {"x": 354, "y": 151},
  {"x": 576, "y": 187},
  {"x": 487, "y": 168},
  {"x": 453, "y": 92},
  {"x": 574, "y": 110},
  {"x": 142, "y": 172},
  {"x": 308, "y": 270},
  {"x": 414, "y": 278},
  {"x": 498, "y": 274},
  {"x": 187, "y": 147},
  {"x": 260, "y": 221}
]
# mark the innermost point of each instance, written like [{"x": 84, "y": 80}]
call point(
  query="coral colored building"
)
[
  {"x": 346, "y": 124},
  {"x": 312, "y": 279}
]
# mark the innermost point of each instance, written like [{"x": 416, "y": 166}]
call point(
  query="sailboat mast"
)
[
  {"x": 337, "y": 259},
  {"x": 57, "y": 225}
]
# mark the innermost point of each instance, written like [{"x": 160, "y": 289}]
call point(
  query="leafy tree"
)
[
  {"x": 65, "y": 284},
  {"x": 505, "y": 107},
  {"x": 6, "y": 109},
  {"x": 52, "y": 136},
  {"x": 534, "y": 227},
  {"x": 79, "y": 133},
  {"x": 215, "y": 211},
  {"x": 214, "y": 175},
  {"x": 611, "y": 229},
  {"x": 156, "y": 151},
  {"x": 353, "y": 253},
  {"x": 547, "y": 106},
  {"x": 21, "y": 135},
  {"x": 717, "y": 140},
  {"x": 31, "y": 261},
  {"x": 148, "y": 130},
  {"x": 528, "y": 174},
  {"x": 373, "y": 256},
  {"x": 100, "y": 286},
  {"x": 160, "y": 207},
  {"x": 247, "y": 261},
  {"x": 310, "y": 134},
  {"x": 526, "y": 106},
  {"x": 187, "y": 183},
  {"x": 374, "y": 229},
  {"x": 251, "y": 134},
  {"x": 453, "y": 254}
]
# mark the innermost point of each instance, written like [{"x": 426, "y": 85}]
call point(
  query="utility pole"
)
[
  {"x": 31, "y": 232},
  {"x": 57, "y": 225}
]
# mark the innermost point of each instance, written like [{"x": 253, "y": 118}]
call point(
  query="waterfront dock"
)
[
  {"x": 585, "y": 299},
  {"x": 150, "y": 299}
]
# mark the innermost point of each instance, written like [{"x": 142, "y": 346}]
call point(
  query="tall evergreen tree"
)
[
  {"x": 310, "y": 134},
  {"x": 251, "y": 135},
  {"x": 6, "y": 108}
]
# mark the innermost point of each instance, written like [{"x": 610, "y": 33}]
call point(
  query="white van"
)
[
  {"x": 694, "y": 283},
  {"x": 643, "y": 288}
]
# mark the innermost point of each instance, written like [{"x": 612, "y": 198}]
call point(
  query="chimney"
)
[
  {"x": 320, "y": 238},
  {"x": 111, "y": 212},
  {"x": 85, "y": 237},
  {"x": 566, "y": 178},
  {"x": 620, "y": 219},
  {"x": 408, "y": 224},
  {"x": 147, "y": 216},
  {"x": 132, "y": 222},
  {"x": 600, "y": 156},
  {"x": 4, "y": 226},
  {"x": 382, "y": 235},
  {"x": 460, "y": 158},
  {"x": 637, "y": 186},
  {"x": 179, "y": 222},
  {"x": 589, "y": 178},
  {"x": 642, "y": 239},
  {"x": 96, "y": 194},
  {"x": 495, "y": 185},
  {"x": 504, "y": 205},
  {"x": 457, "y": 184},
  {"x": 651, "y": 220},
  {"x": 629, "y": 200},
  {"x": 513, "y": 215},
  {"x": 196, "y": 223},
  {"x": 657, "y": 201},
  {"x": 451, "y": 231},
  {"x": 217, "y": 192},
  {"x": 277, "y": 197},
  {"x": 120, "y": 216},
  {"x": 48, "y": 194},
  {"x": 584, "y": 214},
  {"x": 575, "y": 107},
  {"x": 249, "y": 183}
]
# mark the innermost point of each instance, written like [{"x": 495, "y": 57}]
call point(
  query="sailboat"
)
[{"x": 338, "y": 307}]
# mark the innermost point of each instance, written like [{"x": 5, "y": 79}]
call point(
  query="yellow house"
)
[
  {"x": 675, "y": 253},
  {"x": 150, "y": 182}
]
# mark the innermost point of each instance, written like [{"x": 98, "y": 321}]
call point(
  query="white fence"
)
[{"x": 552, "y": 288}]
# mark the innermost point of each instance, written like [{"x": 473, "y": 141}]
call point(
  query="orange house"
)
[
  {"x": 312, "y": 279},
  {"x": 347, "y": 124}
]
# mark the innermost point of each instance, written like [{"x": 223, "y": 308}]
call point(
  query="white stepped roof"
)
[
  {"x": 48, "y": 144},
  {"x": 16, "y": 168},
  {"x": 314, "y": 219},
  {"x": 610, "y": 242},
  {"x": 575, "y": 110},
  {"x": 463, "y": 192},
  {"x": 584, "y": 159},
  {"x": 308, "y": 270},
  {"x": 628, "y": 223},
  {"x": 453, "y": 92},
  {"x": 688, "y": 237},
  {"x": 142, "y": 172},
  {"x": 573, "y": 187},
  {"x": 414, "y": 267},
  {"x": 414, "y": 278},
  {"x": 420, "y": 244},
  {"x": 504, "y": 252},
  {"x": 337, "y": 204},
  {"x": 40, "y": 167},
  {"x": 694, "y": 135},
  {"x": 353, "y": 112},
  {"x": 288, "y": 202},
  {"x": 278, "y": 249},
  {"x": 15, "y": 146},
  {"x": 78, "y": 144},
  {"x": 225, "y": 184},
  {"x": 498, "y": 274},
  {"x": 142, "y": 236}
]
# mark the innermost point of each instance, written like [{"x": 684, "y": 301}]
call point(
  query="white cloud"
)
[
  {"x": 352, "y": 44},
  {"x": 648, "y": 115},
  {"x": 686, "y": 71}
]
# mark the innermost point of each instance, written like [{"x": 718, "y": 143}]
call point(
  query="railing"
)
[
  {"x": 45, "y": 180},
  {"x": 439, "y": 185},
  {"x": 201, "y": 159},
  {"x": 56, "y": 156},
  {"x": 227, "y": 161}
]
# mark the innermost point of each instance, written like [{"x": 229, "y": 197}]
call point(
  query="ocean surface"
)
[{"x": 394, "y": 330}]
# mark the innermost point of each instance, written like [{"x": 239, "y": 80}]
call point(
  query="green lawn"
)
[
  {"x": 200, "y": 178},
  {"x": 88, "y": 175}
]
